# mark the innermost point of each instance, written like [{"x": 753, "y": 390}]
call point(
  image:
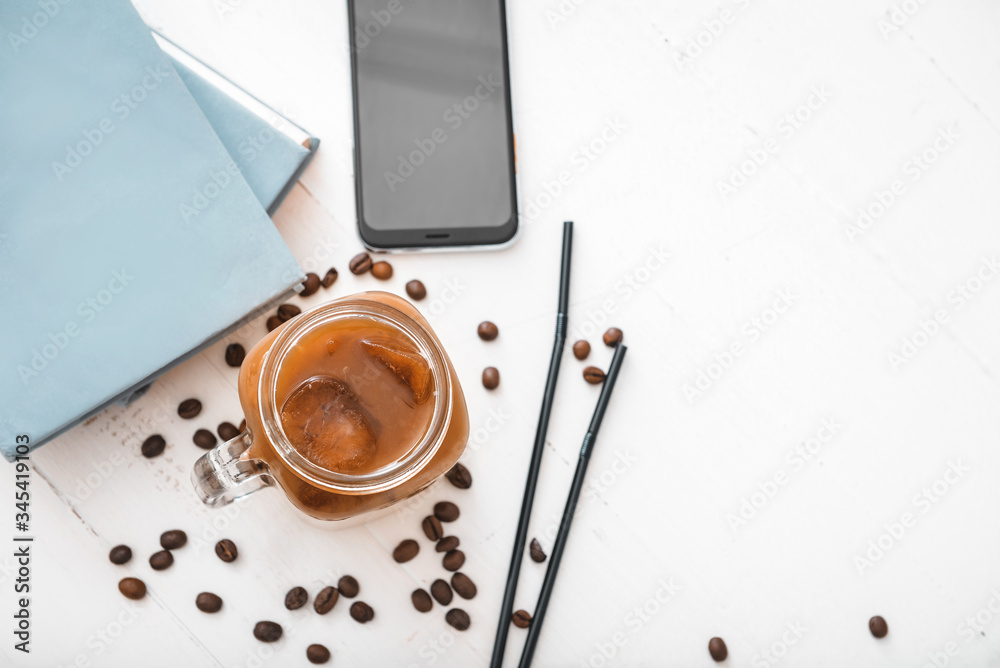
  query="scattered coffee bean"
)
[
  {"x": 317, "y": 654},
  {"x": 361, "y": 612},
  {"x": 173, "y": 539},
  {"x": 717, "y": 648},
  {"x": 878, "y": 626},
  {"x": 288, "y": 311},
  {"x": 491, "y": 378},
  {"x": 189, "y": 408},
  {"x": 458, "y": 618},
  {"x": 446, "y": 544},
  {"x": 273, "y": 323},
  {"x": 405, "y": 551},
  {"x": 267, "y": 631},
  {"x": 132, "y": 588},
  {"x": 416, "y": 290},
  {"x": 432, "y": 528},
  {"x": 536, "y": 551},
  {"x": 453, "y": 560},
  {"x": 446, "y": 511},
  {"x": 463, "y": 585},
  {"x": 326, "y": 599},
  {"x": 361, "y": 263},
  {"x": 421, "y": 600},
  {"x": 310, "y": 285},
  {"x": 296, "y": 598},
  {"x": 228, "y": 431},
  {"x": 382, "y": 271},
  {"x": 581, "y": 349},
  {"x": 330, "y": 278},
  {"x": 487, "y": 330},
  {"x": 205, "y": 439},
  {"x": 459, "y": 476},
  {"x": 441, "y": 591},
  {"x": 208, "y": 602},
  {"x": 120, "y": 554},
  {"x": 593, "y": 375},
  {"x": 161, "y": 560},
  {"x": 521, "y": 619},
  {"x": 226, "y": 549},
  {"x": 613, "y": 337},
  {"x": 153, "y": 446},
  {"x": 348, "y": 586},
  {"x": 235, "y": 354}
]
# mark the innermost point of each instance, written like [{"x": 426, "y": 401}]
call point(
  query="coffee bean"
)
[
  {"x": 717, "y": 648},
  {"x": 173, "y": 539},
  {"x": 348, "y": 586},
  {"x": 132, "y": 588},
  {"x": 317, "y": 654},
  {"x": 463, "y": 585},
  {"x": 288, "y": 311},
  {"x": 162, "y": 560},
  {"x": 432, "y": 528},
  {"x": 208, "y": 602},
  {"x": 878, "y": 626},
  {"x": 296, "y": 598},
  {"x": 361, "y": 263},
  {"x": 361, "y": 612},
  {"x": 189, "y": 408},
  {"x": 521, "y": 619},
  {"x": 593, "y": 375},
  {"x": 326, "y": 599},
  {"x": 487, "y": 330},
  {"x": 536, "y": 551},
  {"x": 235, "y": 354},
  {"x": 416, "y": 290},
  {"x": 405, "y": 551},
  {"x": 458, "y": 618},
  {"x": 153, "y": 446},
  {"x": 446, "y": 544},
  {"x": 453, "y": 560},
  {"x": 441, "y": 591},
  {"x": 581, "y": 349},
  {"x": 330, "y": 278},
  {"x": 120, "y": 554},
  {"x": 491, "y": 378},
  {"x": 421, "y": 600},
  {"x": 226, "y": 549},
  {"x": 310, "y": 285},
  {"x": 273, "y": 323},
  {"x": 228, "y": 431},
  {"x": 459, "y": 476},
  {"x": 613, "y": 337},
  {"x": 446, "y": 511},
  {"x": 267, "y": 631},
  {"x": 382, "y": 271},
  {"x": 205, "y": 439}
]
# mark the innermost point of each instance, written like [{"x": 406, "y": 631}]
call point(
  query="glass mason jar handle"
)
[{"x": 220, "y": 476}]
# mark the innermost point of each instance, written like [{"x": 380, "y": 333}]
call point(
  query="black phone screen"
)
[{"x": 434, "y": 154}]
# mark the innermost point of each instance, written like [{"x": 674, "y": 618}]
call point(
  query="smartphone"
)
[{"x": 434, "y": 157}]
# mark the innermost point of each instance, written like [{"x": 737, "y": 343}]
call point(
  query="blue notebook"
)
[{"x": 129, "y": 237}]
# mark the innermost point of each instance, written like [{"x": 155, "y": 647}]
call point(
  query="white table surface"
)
[{"x": 656, "y": 563}]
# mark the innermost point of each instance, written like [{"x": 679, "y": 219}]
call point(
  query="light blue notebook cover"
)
[{"x": 128, "y": 238}]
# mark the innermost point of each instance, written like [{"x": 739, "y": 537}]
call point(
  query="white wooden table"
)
[{"x": 795, "y": 444}]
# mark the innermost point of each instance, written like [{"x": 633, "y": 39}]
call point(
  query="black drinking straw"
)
[
  {"x": 536, "y": 454},
  {"x": 571, "y": 500}
]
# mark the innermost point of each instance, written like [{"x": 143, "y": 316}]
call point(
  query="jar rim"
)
[{"x": 417, "y": 456}]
